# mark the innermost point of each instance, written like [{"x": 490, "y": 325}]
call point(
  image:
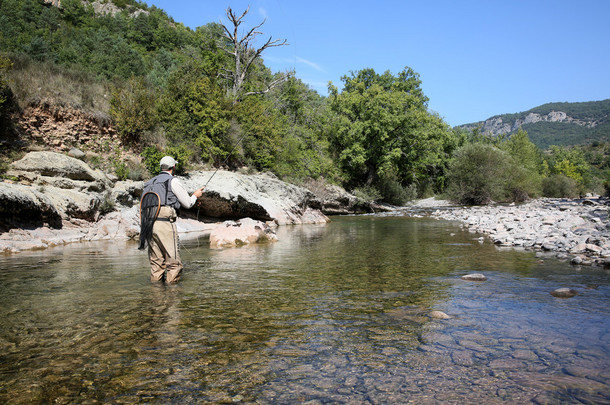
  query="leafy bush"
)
[
  {"x": 367, "y": 193},
  {"x": 478, "y": 174},
  {"x": 152, "y": 156},
  {"x": 121, "y": 170},
  {"x": 560, "y": 186},
  {"x": 395, "y": 193}
]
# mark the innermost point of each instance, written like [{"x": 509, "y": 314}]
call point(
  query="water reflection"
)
[{"x": 335, "y": 313}]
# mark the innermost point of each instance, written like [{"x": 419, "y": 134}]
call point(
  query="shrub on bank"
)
[
  {"x": 560, "y": 186},
  {"x": 395, "y": 193},
  {"x": 481, "y": 173}
]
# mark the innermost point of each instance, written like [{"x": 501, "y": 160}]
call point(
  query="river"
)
[{"x": 335, "y": 313}]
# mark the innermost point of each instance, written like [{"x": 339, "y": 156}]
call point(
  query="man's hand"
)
[{"x": 198, "y": 193}]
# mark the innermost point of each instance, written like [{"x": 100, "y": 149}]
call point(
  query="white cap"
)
[{"x": 168, "y": 162}]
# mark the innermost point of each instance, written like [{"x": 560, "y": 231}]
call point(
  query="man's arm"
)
[{"x": 183, "y": 196}]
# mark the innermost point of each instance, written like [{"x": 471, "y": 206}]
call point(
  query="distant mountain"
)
[{"x": 554, "y": 123}]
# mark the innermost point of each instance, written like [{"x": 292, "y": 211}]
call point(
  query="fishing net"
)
[{"x": 149, "y": 210}]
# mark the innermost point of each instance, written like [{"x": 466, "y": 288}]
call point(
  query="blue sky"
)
[{"x": 475, "y": 58}]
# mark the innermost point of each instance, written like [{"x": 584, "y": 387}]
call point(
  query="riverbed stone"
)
[
  {"x": 564, "y": 293},
  {"x": 474, "y": 277},
  {"x": 577, "y": 260},
  {"x": 243, "y": 232},
  {"x": 552, "y": 225},
  {"x": 439, "y": 315}
]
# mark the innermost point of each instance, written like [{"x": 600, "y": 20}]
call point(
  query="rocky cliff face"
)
[
  {"x": 101, "y": 7},
  {"x": 61, "y": 129},
  {"x": 499, "y": 126}
]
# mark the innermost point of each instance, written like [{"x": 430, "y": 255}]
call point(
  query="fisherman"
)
[{"x": 169, "y": 195}]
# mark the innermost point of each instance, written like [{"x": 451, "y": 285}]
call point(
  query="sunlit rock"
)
[
  {"x": 439, "y": 315},
  {"x": 564, "y": 293},
  {"x": 243, "y": 232},
  {"x": 474, "y": 277},
  {"x": 230, "y": 195}
]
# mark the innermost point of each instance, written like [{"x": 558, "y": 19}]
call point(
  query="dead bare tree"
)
[{"x": 244, "y": 54}]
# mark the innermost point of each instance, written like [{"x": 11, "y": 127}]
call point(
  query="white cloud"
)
[{"x": 310, "y": 63}]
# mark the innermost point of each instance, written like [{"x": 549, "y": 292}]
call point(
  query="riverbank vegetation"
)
[{"x": 198, "y": 95}]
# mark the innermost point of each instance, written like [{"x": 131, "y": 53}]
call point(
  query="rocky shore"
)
[
  {"x": 578, "y": 230},
  {"x": 53, "y": 199}
]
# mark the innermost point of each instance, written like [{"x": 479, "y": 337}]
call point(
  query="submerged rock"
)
[
  {"x": 564, "y": 293},
  {"x": 474, "y": 277},
  {"x": 439, "y": 315}
]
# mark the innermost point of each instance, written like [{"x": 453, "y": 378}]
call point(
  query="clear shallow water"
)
[{"x": 329, "y": 314}]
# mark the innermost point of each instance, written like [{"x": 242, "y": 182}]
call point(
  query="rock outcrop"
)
[
  {"x": 499, "y": 126},
  {"x": 21, "y": 204},
  {"x": 56, "y": 199},
  {"x": 63, "y": 128},
  {"x": 263, "y": 197}
]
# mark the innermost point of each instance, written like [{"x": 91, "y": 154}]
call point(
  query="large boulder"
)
[
  {"x": 52, "y": 164},
  {"x": 25, "y": 205},
  {"x": 334, "y": 200},
  {"x": 127, "y": 193},
  {"x": 74, "y": 204},
  {"x": 263, "y": 197},
  {"x": 243, "y": 232}
]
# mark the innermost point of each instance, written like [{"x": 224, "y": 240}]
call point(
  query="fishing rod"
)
[
  {"x": 215, "y": 171},
  {"x": 226, "y": 160}
]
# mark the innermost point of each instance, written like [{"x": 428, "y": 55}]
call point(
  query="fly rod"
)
[{"x": 225, "y": 161}]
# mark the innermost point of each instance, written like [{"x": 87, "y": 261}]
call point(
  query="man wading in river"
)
[{"x": 162, "y": 196}]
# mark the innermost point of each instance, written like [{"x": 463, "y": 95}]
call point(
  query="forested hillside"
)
[
  {"x": 555, "y": 123},
  {"x": 206, "y": 97}
]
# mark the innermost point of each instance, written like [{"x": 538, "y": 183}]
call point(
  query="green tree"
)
[
  {"x": 211, "y": 111},
  {"x": 528, "y": 155},
  {"x": 304, "y": 150},
  {"x": 571, "y": 163},
  {"x": 259, "y": 121},
  {"x": 383, "y": 129},
  {"x": 532, "y": 166}
]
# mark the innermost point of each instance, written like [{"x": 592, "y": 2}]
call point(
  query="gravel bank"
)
[{"x": 578, "y": 230}]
